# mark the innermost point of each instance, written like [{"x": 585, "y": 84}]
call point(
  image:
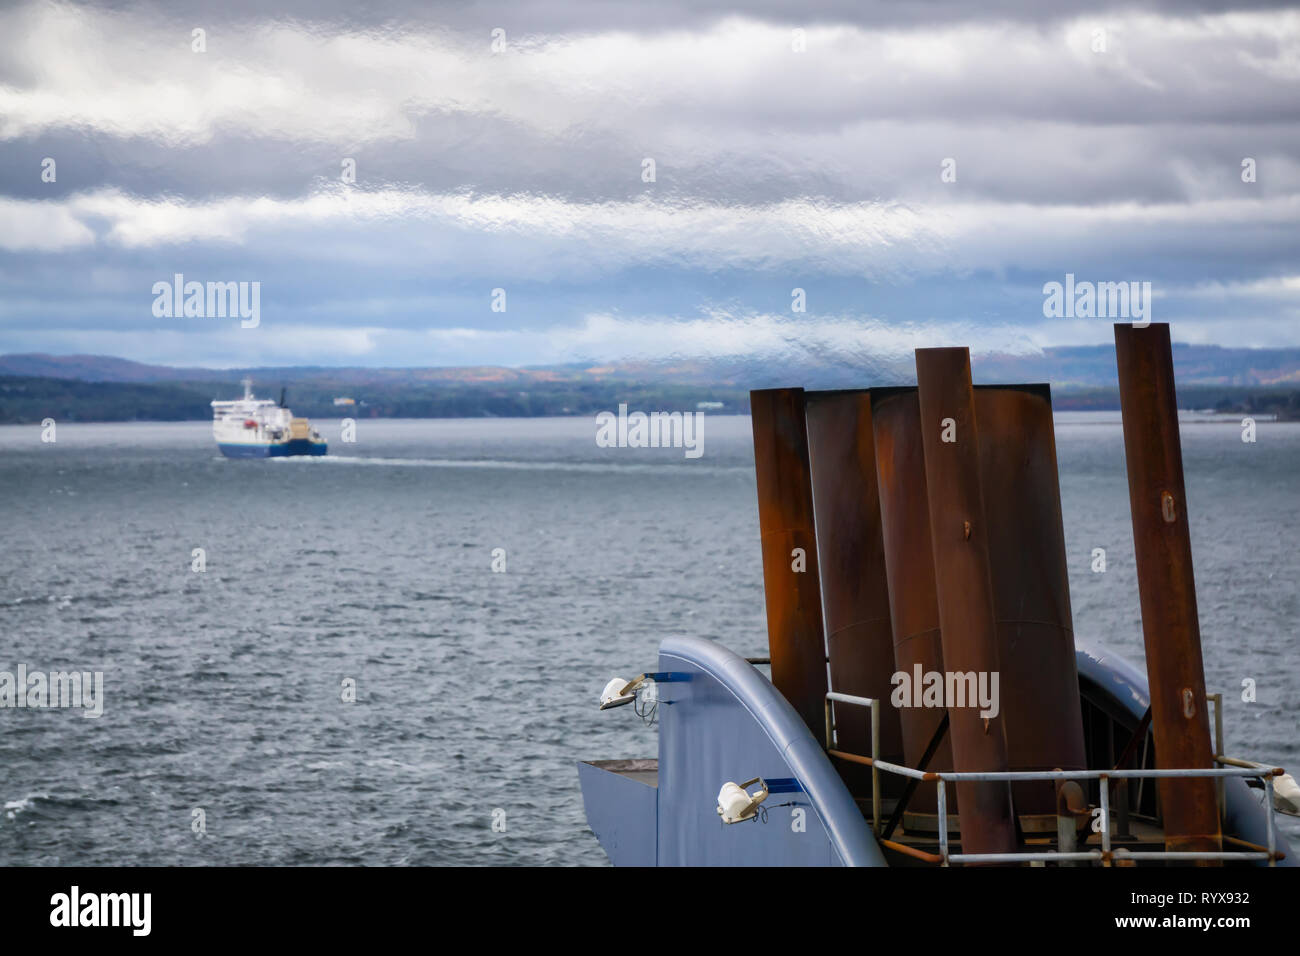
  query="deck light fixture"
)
[
  {"x": 619, "y": 692},
  {"x": 736, "y": 804}
]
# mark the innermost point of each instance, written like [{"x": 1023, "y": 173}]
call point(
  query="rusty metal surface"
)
[
  {"x": 959, "y": 537},
  {"x": 1031, "y": 590},
  {"x": 905, "y": 539},
  {"x": 851, "y": 565},
  {"x": 1170, "y": 626},
  {"x": 785, "y": 517}
]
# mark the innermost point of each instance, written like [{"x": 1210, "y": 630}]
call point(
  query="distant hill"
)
[
  {"x": 1073, "y": 367},
  {"x": 1094, "y": 366},
  {"x": 25, "y": 399},
  {"x": 104, "y": 388},
  {"x": 105, "y": 368}
]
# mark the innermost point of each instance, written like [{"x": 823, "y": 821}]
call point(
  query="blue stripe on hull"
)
[{"x": 296, "y": 446}]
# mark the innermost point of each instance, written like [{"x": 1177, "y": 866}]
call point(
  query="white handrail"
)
[{"x": 943, "y": 777}]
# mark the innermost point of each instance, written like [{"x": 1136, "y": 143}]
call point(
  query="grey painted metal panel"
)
[
  {"x": 721, "y": 720},
  {"x": 623, "y": 812}
]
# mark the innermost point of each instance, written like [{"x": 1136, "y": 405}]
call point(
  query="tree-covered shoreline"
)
[{"x": 29, "y": 399}]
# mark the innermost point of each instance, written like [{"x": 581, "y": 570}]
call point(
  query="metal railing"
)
[
  {"x": 1105, "y": 855},
  {"x": 874, "y": 705}
]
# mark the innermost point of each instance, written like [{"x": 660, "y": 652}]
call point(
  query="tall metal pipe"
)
[
  {"x": 909, "y": 572},
  {"x": 959, "y": 536},
  {"x": 796, "y": 639},
  {"x": 851, "y": 564},
  {"x": 1031, "y": 589},
  {"x": 1170, "y": 625}
]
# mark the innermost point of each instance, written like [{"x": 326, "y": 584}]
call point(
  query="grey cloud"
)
[
  {"x": 551, "y": 16},
  {"x": 1122, "y": 166},
  {"x": 1026, "y": 120}
]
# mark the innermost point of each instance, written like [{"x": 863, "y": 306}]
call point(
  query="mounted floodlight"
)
[
  {"x": 619, "y": 692},
  {"x": 1286, "y": 792},
  {"x": 736, "y": 804},
  {"x": 1286, "y": 795}
]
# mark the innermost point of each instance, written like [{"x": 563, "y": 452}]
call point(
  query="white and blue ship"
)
[{"x": 250, "y": 427}]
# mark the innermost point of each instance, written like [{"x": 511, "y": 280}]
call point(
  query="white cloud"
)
[
  {"x": 847, "y": 340},
  {"x": 861, "y": 342},
  {"x": 1273, "y": 287},
  {"x": 809, "y": 168},
  {"x": 132, "y": 74},
  {"x": 41, "y": 227},
  {"x": 214, "y": 343},
  {"x": 532, "y": 237}
]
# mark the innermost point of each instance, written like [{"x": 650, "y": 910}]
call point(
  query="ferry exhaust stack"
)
[
  {"x": 796, "y": 639},
  {"x": 959, "y": 536},
  {"x": 909, "y": 575},
  {"x": 1170, "y": 625},
  {"x": 1031, "y": 588},
  {"x": 851, "y": 563},
  {"x": 921, "y": 529}
]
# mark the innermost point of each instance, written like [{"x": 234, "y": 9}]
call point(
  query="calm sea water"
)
[{"x": 475, "y": 690}]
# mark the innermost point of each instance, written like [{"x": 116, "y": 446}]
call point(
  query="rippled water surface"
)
[{"x": 475, "y": 690}]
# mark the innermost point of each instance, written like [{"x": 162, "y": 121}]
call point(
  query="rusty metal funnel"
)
[
  {"x": 796, "y": 639},
  {"x": 1031, "y": 587},
  {"x": 909, "y": 573},
  {"x": 851, "y": 563},
  {"x": 1170, "y": 625},
  {"x": 959, "y": 538}
]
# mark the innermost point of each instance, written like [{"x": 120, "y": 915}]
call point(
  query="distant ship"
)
[{"x": 259, "y": 428}]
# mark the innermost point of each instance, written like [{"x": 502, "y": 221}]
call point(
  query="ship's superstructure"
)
[
  {"x": 250, "y": 427},
  {"x": 928, "y": 702}
]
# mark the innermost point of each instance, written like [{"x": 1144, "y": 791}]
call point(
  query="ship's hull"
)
[{"x": 284, "y": 449}]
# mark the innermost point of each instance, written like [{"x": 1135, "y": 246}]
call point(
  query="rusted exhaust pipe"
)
[
  {"x": 1170, "y": 626},
  {"x": 959, "y": 537},
  {"x": 851, "y": 565},
  {"x": 1042, "y": 713},
  {"x": 909, "y": 573},
  {"x": 785, "y": 519}
]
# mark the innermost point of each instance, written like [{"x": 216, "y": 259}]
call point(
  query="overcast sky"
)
[{"x": 1104, "y": 142}]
